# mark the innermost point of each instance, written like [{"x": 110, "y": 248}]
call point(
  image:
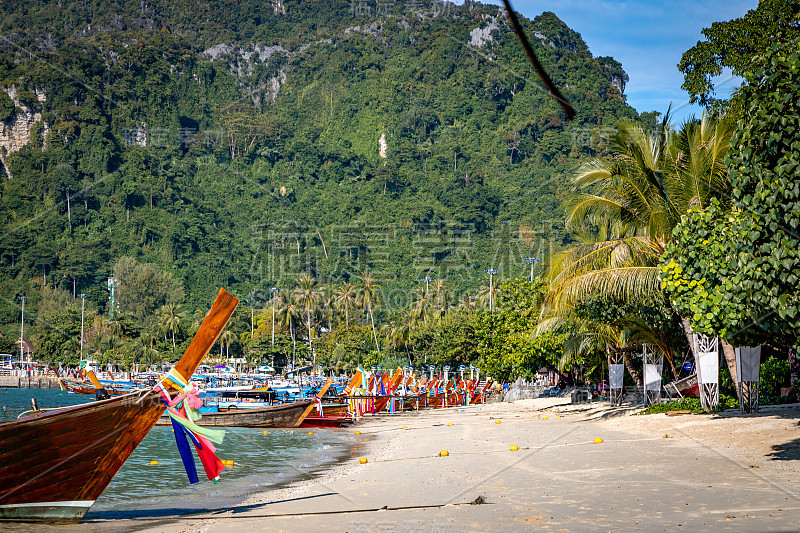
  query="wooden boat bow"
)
[{"x": 55, "y": 464}]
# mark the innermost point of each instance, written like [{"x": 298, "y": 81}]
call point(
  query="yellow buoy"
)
[
  {"x": 265, "y": 432},
  {"x": 444, "y": 453},
  {"x": 598, "y": 440},
  {"x": 363, "y": 460},
  {"x": 497, "y": 421},
  {"x": 310, "y": 432},
  {"x": 514, "y": 447},
  {"x": 153, "y": 463},
  {"x": 544, "y": 418},
  {"x": 405, "y": 427},
  {"x": 228, "y": 462},
  {"x": 449, "y": 423},
  {"x": 358, "y": 432}
]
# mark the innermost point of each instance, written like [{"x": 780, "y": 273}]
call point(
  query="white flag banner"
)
[
  {"x": 748, "y": 363},
  {"x": 652, "y": 377},
  {"x": 709, "y": 368},
  {"x": 615, "y": 375}
]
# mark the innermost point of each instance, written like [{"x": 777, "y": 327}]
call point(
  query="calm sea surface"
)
[{"x": 261, "y": 462}]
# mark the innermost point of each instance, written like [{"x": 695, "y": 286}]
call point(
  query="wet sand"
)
[{"x": 650, "y": 473}]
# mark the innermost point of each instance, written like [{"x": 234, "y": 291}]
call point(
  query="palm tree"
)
[
  {"x": 170, "y": 320},
  {"x": 635, "y": 199},
  {"x": 369, "y": 298},
  {"x": 226, "y": 338},
  {"x": 287, "y": 314},
  {"x": 422, "y": 303},
  {"x": 327, "y": 297},
  {"x": 400, "y": 335},
  {"x": 150, "y": 356},
  {"x": 110, "y": 346},
  {"x": 345, "y": 301},
  {"x": 469, "y": 303},
  {"x": 442, "y": 297},
  {"x": 308, "y": 298},
  {"x": 484, "y": 296}
]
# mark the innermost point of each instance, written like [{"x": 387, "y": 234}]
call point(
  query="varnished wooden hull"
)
[
  {"x": 276, "y": 416},
  {"x": 75, "y": 387},
  {"x": 55, "y": 464},
  {"x": 70, "y": 455}
]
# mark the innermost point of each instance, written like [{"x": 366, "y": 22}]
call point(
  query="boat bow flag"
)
[{"x": 183, "y": 411}]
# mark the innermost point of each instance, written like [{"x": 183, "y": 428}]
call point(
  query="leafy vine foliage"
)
[{"x": 735, "y": 273}]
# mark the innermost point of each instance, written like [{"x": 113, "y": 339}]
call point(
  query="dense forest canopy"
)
[
  {"x": 240, "y": 147},
  {"x": 207, "y": 144}
]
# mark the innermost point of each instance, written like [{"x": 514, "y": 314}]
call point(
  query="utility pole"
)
[
  {"x": 491, "y": 272},
  {"x": 83, "y": 307},
  {"x": 426, "y": 279},
  {"x": 22, "y": 330},
  {"x": 531, "y": 261}
]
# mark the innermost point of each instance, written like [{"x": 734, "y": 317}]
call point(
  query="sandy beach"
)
[{"x": 724, "y": 472}]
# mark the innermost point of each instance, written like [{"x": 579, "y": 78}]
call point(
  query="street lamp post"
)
[
  {"x": 83, "y": 307},
  {"x": 426, "y": 279},
  {"x": 22, "y": 330},
  {"x": 491, "y": 272},
  {"x": 531, "y": 261},
  {"x": 273, "y": 290}
]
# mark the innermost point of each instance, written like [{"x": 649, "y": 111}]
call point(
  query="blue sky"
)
[{"x": 648, "y": 38}]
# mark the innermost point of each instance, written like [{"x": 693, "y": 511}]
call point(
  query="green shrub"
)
[
  {"x": 774, "y": 375},
  {"x": 693, "y": 404}
]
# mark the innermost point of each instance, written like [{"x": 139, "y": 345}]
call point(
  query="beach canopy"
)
[{"x": 220, "y": 367}]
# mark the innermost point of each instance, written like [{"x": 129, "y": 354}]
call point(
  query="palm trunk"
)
[
  {"x": 727, "y": 349},
  {"x": 730, "y": 358},
  {"x": 294, "y": 343},
  {"x": 375, "y": 335},
  {"x": 308, "y": 316},
  {"x": 632, "y": 370},
  {"x": 687, "y": 330}
]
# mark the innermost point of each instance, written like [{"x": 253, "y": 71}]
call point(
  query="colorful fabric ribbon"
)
[{"x": 183, "y": 414}]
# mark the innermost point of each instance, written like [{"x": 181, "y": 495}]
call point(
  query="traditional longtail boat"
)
[
  {"x": 286, "y": 415},
  {"x": 55, "y": 464},
  {"x": 84, "y": 387}
]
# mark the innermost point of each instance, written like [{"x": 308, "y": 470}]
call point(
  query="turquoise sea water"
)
[{"x": 261, "y": 462}]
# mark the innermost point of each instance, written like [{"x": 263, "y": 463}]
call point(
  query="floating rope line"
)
[{"x": 480, "y": 500}]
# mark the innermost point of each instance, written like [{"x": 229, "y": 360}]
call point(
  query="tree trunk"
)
[
  {"x": 730, "y": 358},
  {"x": 69, "y": 211},
  {"x": 687, "y": 330},
  {"x": 633, "y": 371},
  {"x": 308, "y": 316},
  {"x": 372, "y": 318}
]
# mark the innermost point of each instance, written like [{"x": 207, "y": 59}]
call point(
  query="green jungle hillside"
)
[{"x": 242, "y": 144}]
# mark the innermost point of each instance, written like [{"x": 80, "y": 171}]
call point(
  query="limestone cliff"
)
[{"x": 16, "y": 133}]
